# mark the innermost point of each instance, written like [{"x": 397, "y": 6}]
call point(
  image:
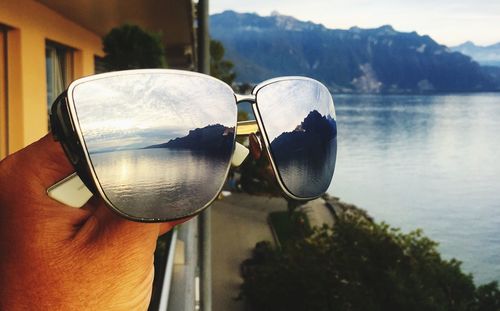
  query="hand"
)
[{"x": 54, "y": 257}]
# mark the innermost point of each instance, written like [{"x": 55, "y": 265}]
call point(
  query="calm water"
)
[
  {"x": 430, "y": 162},
  {"x": 159, "y": 182}
]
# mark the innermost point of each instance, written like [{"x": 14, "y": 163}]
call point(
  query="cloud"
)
[
  {"x": 284, "y": 105},
  {"x": 137, "y": 110}
]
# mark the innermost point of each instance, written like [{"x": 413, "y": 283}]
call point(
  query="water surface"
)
[
  {"x": 430, "y": 162},
  {"x": 159, "y": 182}
]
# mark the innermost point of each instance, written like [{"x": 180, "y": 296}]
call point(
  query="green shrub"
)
[
  {"x": 362, "y": 265},
  {"x": 130, "y": 47},
  {"x": 219, "y": 67},
  {"x": 289, "y": 226}
]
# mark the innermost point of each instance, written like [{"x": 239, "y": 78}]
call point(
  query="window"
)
[
  {"x": 3, "y": 93},
  {"x": 59, "y": 65}
]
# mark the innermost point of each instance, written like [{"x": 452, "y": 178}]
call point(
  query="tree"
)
[
  {"x": 220, "y": 68},
  {"x": 361, "y": 265},
  {"x": 487, "y": 297},
  {"x": 130, "y": 47}
]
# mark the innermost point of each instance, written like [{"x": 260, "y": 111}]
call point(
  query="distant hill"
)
[
  {"x": 311, "y": 136},
  {"x": 211, "y": 139},
  {"x": 484, "y": 55},
  {"x": 380, "y": 60}
]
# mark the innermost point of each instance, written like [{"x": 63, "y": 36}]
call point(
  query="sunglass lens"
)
[
  {"x": 159, "y": 144},
  {"x": 299, "y": 120}
]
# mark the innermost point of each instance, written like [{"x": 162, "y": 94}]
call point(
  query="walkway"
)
[{"x": 238, "y": 222}]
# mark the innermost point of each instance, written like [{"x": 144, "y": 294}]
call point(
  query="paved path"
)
[{"x": 238, "y": 222}]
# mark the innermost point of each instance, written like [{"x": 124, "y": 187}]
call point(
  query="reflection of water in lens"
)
[
  {"x": 159, "y": 183},
  {"x": 299, "y": 120},
  {"x": 308, "y": 172},
  {"x": 311, "y": 148}
]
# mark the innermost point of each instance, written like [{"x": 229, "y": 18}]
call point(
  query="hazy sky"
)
[
  {"x": 449, "y": 22},
  {"x": 279, "y": 118},
  {"x": 138, "y": 110}
]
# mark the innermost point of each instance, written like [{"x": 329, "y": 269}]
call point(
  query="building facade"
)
[
  {"x": 46, "y": 44},
  {"x": 42, "y": 52}
]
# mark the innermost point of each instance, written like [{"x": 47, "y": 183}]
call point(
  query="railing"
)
[
  {"x": 161, "y": 258},
  {"x": 167, "y": 279}
]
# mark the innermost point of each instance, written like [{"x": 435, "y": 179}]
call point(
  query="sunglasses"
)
[{"x": 157, "y": 144}]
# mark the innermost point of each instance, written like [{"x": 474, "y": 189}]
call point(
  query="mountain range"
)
[
  {"x": 484, "y": 55},
  {"x": 380, "y": 60},
  {"x": 211, "y": 139}
]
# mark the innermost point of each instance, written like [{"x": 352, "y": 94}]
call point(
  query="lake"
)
[
  {"x": 159, "y": 183},
  {"x": 430, "y": 162}
]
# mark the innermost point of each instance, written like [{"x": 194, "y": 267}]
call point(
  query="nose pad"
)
[
  {"x": 239, "y": 155},
  {"x": 255, "y": 146}
]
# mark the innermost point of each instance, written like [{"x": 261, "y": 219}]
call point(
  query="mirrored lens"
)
[
  {"x": 299, "y": 120},
  {"x": 160, "y": 144}
]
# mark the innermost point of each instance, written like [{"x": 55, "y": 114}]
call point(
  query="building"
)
[{"x": 46, "y": 44}]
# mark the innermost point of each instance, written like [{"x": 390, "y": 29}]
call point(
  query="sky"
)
[
  {"x": 302, "y": 97},
  {"x": 449, "y": 22},
  {"x": 142, "y": 109}
]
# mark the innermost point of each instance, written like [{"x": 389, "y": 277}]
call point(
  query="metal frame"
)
[
  {"x": 167, "y": 278},
  {"x": 252, "y": 98},
  {"x": 267, "y": 144},
  {"x": 76, "y": 127}
]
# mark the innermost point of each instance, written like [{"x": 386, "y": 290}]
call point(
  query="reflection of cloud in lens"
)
[
  {"x": 130, "y": 139},
  {"x": 140, "y": 109}
]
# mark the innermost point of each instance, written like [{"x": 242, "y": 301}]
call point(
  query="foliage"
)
[
  {"x": 130, "y": 47},
  {"x": 243, "y": 116},
  {"x": 361, "y": 265},
  {"x": 220, "y": 68},
  {"x": 487, "y": 297},
  {"x": 289, "y": 226},
  {"x": 243, "y": 88}
]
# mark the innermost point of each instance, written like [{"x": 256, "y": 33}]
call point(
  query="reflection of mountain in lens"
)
[
  {"x": 312, "y": 135},
  {"x": 305, "y": 157},
  {"x": 212, "y": 139}
]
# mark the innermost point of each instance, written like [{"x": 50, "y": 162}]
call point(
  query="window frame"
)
[
  {"x": 4, "y": 106},
  {"x": 65, "y": 56}
]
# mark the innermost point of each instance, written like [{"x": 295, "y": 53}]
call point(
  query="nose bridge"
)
[
  {"x": 245, "y": 98},
  {"x": 250, "y": 126}
]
